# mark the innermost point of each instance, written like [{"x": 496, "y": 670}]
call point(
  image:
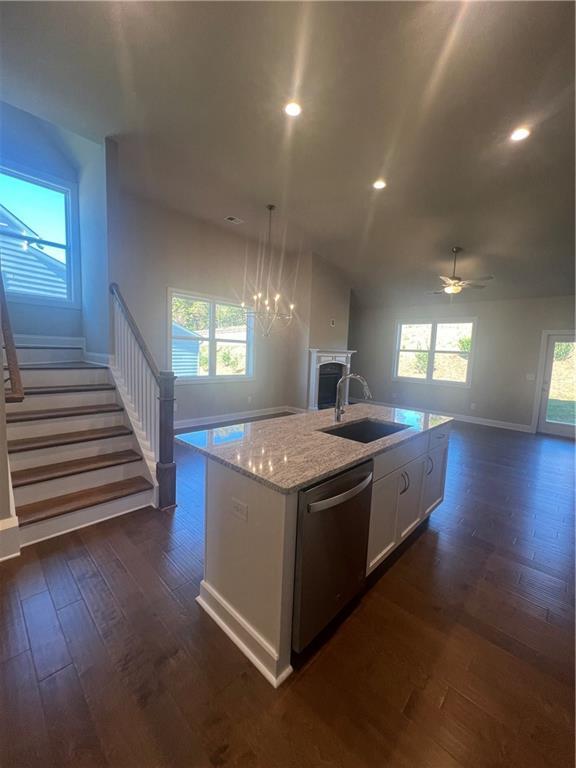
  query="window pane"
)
[
  {"x": 413, "y": 364},
  {"x": 562, "y": 397},
  {"x": 230, "y": 359},
  {"x": 415, "y": 336},
  {"x": 190, "y": 357},
  {"x": 230, "y": 322},
  {"x": 31, "y": 211},
  {"x": 454, "y": 337},
  {"x": 450, "y": 366},
  {"x": 190, "y": 317}
]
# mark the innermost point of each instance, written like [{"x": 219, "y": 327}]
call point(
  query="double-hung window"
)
[
  {"x": 36, "y": 239},
  {"x": 209, "y": 339},
  {"x": 437, "y": 352}
]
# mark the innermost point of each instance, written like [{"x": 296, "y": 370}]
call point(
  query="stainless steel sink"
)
[{"x": 366, "y": 430}]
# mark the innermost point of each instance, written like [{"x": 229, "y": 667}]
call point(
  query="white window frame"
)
[
  {"x": 212, "y": 339},
  {"x": 432, "y": 352},
  {"x": 70, "y": 190}
]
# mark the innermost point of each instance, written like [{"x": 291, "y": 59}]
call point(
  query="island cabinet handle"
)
[
  {"x": 334, "y": 501},
  {"x": 406, "y": 477},
  {"x": 431, "y": 465}
]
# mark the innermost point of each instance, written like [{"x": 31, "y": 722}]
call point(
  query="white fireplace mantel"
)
[{"x": 319, "y": 357}]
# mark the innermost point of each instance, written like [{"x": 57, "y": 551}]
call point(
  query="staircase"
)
[{"x": 73, "y": 455}]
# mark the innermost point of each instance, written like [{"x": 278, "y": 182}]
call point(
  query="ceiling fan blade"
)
[
  {"x": 480, "y": 279},
  {"x": 472, "y": 285},
  {"x": 436, "y": 292},
  {"x": 447, "y": 280}
]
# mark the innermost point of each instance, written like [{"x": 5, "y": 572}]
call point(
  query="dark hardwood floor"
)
[{"x": 461, "y": 656}]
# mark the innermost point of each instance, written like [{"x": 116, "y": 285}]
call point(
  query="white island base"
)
[
  {"x": 252, "y": 486},
  {"x": 249, "y": 567}
]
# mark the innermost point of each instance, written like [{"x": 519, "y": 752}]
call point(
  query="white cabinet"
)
[
  {"x": 408, "y": 485},
  {"x": 434, "y": 477},
  {"x": 382, "y": 536},
  {"x": 395, "y": 510},
  {"x": 409, "y": 495}
]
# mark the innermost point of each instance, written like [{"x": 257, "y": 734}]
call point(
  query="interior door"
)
[{"x": 558, "y": 404}]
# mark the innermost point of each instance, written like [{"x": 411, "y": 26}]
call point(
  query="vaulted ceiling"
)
[{"x": 422, "y": 94}]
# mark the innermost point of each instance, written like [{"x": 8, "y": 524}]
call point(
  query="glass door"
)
[{"x": 558, "y": 405}]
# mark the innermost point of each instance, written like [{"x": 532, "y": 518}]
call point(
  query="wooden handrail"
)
[
  {"x": 115, "y": 291},
  {"x": 164, "y": 445},
  {"x": 16, "y": 392}
]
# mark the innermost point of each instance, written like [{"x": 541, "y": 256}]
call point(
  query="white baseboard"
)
[
  {"x": 102, "y": 358},
  {"x": 239, "y": 415},
  {"x": 457, "y": 416},
  {"x": 243, "y": 635},
  {"x": 49, "y": 341}
]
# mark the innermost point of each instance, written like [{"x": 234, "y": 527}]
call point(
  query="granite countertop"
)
[{"x": 289, "y": 453}]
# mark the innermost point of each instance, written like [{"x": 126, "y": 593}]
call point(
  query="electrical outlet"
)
[
  {"x": 333, "y": 323},
  {"x": 530, "y": 377},
  {"x": 239, "y": 509},
  {"x": 472, "y": 406},
  {"x": 249, "y": 399}
]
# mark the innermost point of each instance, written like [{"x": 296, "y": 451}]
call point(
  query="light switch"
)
[
  {"x": 239, "y": 509},
  {"x": 530, "y": 377}
]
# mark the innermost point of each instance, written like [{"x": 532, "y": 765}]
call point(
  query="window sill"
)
[
  {"x": 406, "y": 379},
  {"x": 184, "y": 380}
]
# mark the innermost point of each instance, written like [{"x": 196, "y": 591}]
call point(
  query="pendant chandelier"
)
[{"x": 267, "y": 307}]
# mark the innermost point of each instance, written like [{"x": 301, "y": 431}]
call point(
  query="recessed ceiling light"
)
[
  {"x": 379, "y": 184},
  {"x": 519, "y": 134},
  {"x": 293, "y": 109}
]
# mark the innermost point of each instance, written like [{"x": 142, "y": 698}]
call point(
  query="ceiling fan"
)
[{"x": 455, "y": 284}]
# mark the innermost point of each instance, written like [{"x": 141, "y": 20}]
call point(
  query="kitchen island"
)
[{"x": 254, "y": 475}]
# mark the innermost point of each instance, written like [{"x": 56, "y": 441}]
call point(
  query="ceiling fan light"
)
[{"x": 452, "y": 288}]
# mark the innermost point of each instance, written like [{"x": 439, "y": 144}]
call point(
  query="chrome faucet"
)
[{"x": 339, "y": 407}]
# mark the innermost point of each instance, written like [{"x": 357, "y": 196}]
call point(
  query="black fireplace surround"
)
[{"x": 328, "y": 377}]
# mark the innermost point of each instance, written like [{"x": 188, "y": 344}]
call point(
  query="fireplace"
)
[{"x": 327, "y": 366}]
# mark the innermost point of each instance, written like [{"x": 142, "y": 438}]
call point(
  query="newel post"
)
[{"x": 165, "y": 467}]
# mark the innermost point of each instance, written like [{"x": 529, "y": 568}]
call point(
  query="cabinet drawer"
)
[{"x": 397, "y": 457}]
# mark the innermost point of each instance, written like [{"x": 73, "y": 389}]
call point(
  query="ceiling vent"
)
[{"x": 234, "y": 220}]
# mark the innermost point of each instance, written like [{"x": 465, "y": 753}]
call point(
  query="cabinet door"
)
[
  {"x": 433, "y": 490},
  {"x": 382, "y": 537},
  {"x": 409, "y": 495}
]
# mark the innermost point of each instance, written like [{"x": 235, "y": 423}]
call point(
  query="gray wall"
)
[
  {"x": 507, "y": 346},
  {"x": 153, "y": 249},
  {"x": 330, "y": 302},
  {"x": 37, "y": 147}
]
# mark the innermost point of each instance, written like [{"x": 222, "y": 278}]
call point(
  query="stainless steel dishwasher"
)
[{"x": 331, "y": 544}]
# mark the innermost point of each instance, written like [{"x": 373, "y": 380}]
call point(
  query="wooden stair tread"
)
[
  {"x": 63, "y": 365},
  {"x": 59, "y": 413},
  {"x": 66, "y": 438},
  {"x": 64, "y": 389},
  {"x": 72, "y": 502},
  {"x": 33, "y": 475}
]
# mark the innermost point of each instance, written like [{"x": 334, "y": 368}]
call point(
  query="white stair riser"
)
[
  {"x": 43, "y": 456},
  {"x": 64, "y": 400},
  {"x": 21, "y": 430},
  {"x": 64, "y": 376},
  {"x": 48, "y": 489},
  {"x": 46, "y": 529},
  {"x": 46, "y": 355}
]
